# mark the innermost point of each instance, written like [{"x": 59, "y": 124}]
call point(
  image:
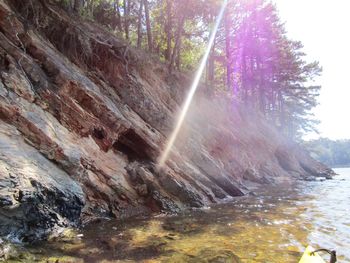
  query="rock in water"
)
[{"x": 84, "y": 118}]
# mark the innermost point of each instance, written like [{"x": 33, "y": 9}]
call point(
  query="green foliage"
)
[
  {"x": 268, "y": 71},
  {"x": 252, "y": 59}
]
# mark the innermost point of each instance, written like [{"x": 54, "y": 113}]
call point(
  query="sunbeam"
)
[{"x": 192, "y": 91}]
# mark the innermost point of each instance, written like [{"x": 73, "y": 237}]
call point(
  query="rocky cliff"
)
[{"x": 84, "y": 118}]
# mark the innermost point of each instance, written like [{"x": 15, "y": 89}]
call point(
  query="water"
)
[{"x": 273, "y": 226}]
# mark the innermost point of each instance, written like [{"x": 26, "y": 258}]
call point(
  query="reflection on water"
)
[{"x": 273, "y": 226}]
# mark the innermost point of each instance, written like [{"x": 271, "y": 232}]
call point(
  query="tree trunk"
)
[
  {"x": 148, "y": 26},
  {"x": 78, "y": 4},
  {"x": 126, "y": 18},
  {"x": 139, "y": 26},
  {"x": 244, "y": 79},
  {"x": 211, "y": 70},
  {"x": 178, "y": 55},
  {"x": 211, "y": 67},
  {"x": 228, "y": 52},
  {"x": 168, "y": 29},
  {"x": 253, "y": 97},
  {"x": 282, "y": 116},
  {"x": 117, "y": 13},
  {"x": 261, "y": 86},
  {"x": 177, "y": 43}
]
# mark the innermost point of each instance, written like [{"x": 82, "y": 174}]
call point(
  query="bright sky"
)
[{"x": 323, "y": 26}]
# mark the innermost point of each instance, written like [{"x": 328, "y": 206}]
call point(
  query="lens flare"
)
[{"x": 192, "y": 91}]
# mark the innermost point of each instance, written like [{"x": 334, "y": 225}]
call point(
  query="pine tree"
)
[{"x": 252, "y": 57}]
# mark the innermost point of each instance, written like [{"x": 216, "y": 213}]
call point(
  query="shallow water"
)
[{"x": 274, "y": 226}]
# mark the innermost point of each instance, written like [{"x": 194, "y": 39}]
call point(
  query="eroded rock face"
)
[
  {"x": 35, "y": 195},
  {"x": 84, "y": 118}
]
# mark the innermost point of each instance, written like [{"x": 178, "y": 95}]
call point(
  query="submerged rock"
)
[
  {"x": 7, "y": 251},
  {"x": 213, "y": 256},
  {"x": 83, "y": 125}
]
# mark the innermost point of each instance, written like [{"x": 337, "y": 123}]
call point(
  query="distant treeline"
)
[{"x": 332, "y": 153}]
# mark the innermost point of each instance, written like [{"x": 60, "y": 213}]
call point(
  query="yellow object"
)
[{"x": 308, "y": 258}]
